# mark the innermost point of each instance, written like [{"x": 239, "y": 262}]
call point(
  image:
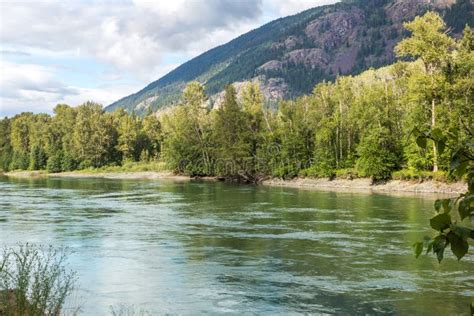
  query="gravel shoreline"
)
[
  {"x": 363, "y": 184},
  {"x": 367, "y": 185}
]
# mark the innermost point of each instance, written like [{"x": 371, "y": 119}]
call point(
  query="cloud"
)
[
  {"x": 34, "y": 88},
  {"x": 132, "y": 37},
  {"x": 290, "y": 7},
  {"x": 130, "y": 41},
  {"x": 13, "y": 53}
]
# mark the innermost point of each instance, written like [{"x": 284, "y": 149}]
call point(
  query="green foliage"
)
[
  {"x": 421, "y": 175},
  {"x": 348, "y": 174},
  {"x": 68, "y": 162},
  {"x": 6, "y": 150},
  {"x": 20, "y": 160},
  {"x": 453, "y": 227},
  {"x": 428, "y": 41},
  {"x": 77, "y": 138},
  {"x": 55, "y": 162},
  {"x": 353, "y": 127},
  {"x": 186, "y": 134},
  {"x": 38, "y": 158},
  {"x": 231, "y": 136},
  {"x": 34, "y": 280},
  {"x": 377, "y": 154}
]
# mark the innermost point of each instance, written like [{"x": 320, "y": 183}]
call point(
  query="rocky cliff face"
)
[{"x": 290, "y": 55}]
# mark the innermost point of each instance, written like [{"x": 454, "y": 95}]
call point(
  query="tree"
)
[
  {"x": 377, "y": 154},
  {"x": 231, "y": 136},
  {"x": 38, "y": 158},
  {"x": 194, "y": 100},
  {"x": 152, "y": 131},
  {"x": 94, "y": 137},
  {"x": 186, "y": 134},
  {"x": 6, "y": 151},
  {"x": 20, "y": 140},
  {"x": 59, "y": 142},
  {"x": 129, "y": 138},
  {"x": 432, "y": 46},
  {"x": 296, "y": 135},
  {"x": 20, "y": 132},
  {"x": 453, "y": 219},
  {"x": 252, "y": 105}
]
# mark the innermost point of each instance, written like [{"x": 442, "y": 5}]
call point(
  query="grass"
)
[{"x": 131, "y": 166}]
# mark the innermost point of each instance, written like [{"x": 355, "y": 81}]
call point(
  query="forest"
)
[{"x": 369, "y": 125}]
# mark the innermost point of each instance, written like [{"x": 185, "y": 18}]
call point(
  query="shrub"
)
[
  {"x": 405, "y": 174},
  {"x": 421, "y": 175},
  {"x": 54, "y": 163},
  {"x": 34, "y": 280},
  {"x": 285, "y": 172},
  {"x": 318, "y": 171},
  {"x": 68, "y": 163},
  {"x": 85, "y": 164},
  {"x": 349, "y": 174}
]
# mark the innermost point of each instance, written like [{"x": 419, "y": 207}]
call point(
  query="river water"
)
[{"x": 196, "y": 247}]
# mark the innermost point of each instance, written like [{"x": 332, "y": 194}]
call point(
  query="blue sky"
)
[{"x": 73, "y": 51}]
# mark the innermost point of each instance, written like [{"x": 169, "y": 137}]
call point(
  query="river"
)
[{"x": 187, "y": 248}]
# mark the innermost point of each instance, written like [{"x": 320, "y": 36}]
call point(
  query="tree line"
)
[
  {"x": 367, "y": 125},
  {"x": 76, "y": 138}
]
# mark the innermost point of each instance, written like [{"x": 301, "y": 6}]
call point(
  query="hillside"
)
[{"x": 290, "y": 55}]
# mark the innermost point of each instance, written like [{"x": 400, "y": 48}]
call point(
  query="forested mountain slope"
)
[{"x": 290, "y": 55}]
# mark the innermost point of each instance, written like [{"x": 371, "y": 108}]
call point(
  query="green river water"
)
[{"x": 195, "y": 247}]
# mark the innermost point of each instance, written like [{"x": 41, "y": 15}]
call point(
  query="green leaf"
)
[
  {"x": 429, "y": 247},
  {"x": 440, "y": 222},
  {"x": 421, "y": 141},
  {"x": 461, "y": 231},
  {"x": 465, "y": 207},
  {"x": 438, "y": 204},
  {"x": 454, "y": 131},
  {"x": 439, "y": 244},
  {"x": 418, "y": 248},
  {"x": 459, "y": 246},
  {"x": 446, "y": 205},
  {"x": 437, "y": 134},
  {"x": 455, "y": 160},
  {"x": 459, "y": 163},
  {"x": 462, "y": 169}
]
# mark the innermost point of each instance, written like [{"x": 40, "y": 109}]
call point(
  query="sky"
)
[{"x": 73, "y": 51}]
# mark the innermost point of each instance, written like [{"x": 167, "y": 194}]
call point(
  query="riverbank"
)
[
  {"x": 365, "y": 184},
  {"x": 362, "y": 184}
]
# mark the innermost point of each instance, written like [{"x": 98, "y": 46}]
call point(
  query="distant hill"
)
[{"x": 290, "y": 55}]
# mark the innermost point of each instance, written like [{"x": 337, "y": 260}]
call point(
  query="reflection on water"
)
[{"x": 187, "y": 248}]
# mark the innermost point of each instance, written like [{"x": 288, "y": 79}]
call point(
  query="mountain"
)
[{"x": 288, "y": 56}]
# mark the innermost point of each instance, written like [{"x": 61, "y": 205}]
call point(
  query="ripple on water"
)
[{"x": 211, "y": 248}]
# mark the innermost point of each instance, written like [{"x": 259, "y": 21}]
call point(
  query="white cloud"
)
[
  {"x": 290, "y": 7},
  {"x": 130, "y": 36},
  {"x": 33, "y": 88},
  {"x": 133, "y": 40}
]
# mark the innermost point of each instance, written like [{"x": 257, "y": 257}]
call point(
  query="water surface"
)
[{"x": 190, "y": 247}]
